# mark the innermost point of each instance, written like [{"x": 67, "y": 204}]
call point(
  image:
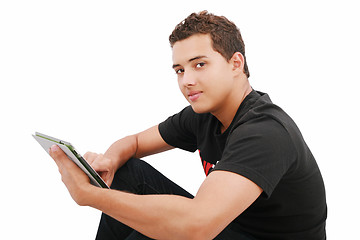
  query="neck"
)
[{"x": 227, "y": 113}]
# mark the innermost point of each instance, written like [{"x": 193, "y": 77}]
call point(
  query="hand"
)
[
  {"x": 103, "y": 165},
  {"x": 75, "y": 180}
]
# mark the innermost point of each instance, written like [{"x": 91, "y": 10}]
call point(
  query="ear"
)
[{"x": 237, "y": 61}]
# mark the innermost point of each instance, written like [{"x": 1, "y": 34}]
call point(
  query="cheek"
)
[
  {"x": 220, "y": 86},
  {"x": 182, "y": 88}
]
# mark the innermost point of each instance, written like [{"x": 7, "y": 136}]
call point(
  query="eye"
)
[
  {"x": 200, "y": 65},
  {"x": 179, "y": 71}
]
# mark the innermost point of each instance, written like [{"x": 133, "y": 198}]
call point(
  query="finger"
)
[
  {"x": 108, "y": 178},
  {"x": 57, "y": 154},
  {"x": 61, "y": 159},
  {"x": 87, "y": 155},
  {"x": 101, "y": 164},
  {"x": 90, "y": 157},
  {"x": 98, "y": 162}
]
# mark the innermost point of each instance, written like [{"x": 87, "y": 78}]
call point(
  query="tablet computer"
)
[{"x": 46, "y": 142}]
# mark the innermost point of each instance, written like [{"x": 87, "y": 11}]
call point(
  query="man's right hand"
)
[
  {"x": 103, "y": 165},
  {"x": 139, "y": 145}
]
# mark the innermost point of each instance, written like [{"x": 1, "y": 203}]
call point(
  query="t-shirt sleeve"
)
[
  {"x": 179, "y": 130},
  {"x": 260, "y": 150}
]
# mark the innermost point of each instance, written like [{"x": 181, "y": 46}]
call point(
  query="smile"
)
[{"x": 193, "y": 96}]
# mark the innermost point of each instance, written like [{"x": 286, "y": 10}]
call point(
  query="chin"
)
[{"x": 199, "y": 109}]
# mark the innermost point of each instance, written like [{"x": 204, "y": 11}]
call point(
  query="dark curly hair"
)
[{"x": 225, "y": 36}]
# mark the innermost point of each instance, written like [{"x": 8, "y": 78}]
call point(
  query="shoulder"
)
[
  {"x": 262, "y": 134},
  {"x": 181, "y": 130},
  {"x": 186, "y": 120},
  {"x": 265, "y": 121}
]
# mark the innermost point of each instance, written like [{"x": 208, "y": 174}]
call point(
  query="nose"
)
[{"x": 188, "y": 79}]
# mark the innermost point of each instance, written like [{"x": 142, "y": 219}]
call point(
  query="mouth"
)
[{"x": 194, "y": 95}]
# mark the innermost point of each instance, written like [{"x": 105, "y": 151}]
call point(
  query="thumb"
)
[{"x": 57, "y": 154}]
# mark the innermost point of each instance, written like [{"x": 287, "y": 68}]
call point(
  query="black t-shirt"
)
[{"x": 264, "y": 145}]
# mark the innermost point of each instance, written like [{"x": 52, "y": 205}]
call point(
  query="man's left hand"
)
[{"x": 75, "y": 180}]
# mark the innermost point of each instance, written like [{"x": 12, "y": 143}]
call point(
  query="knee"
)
[
  {"x": 128, "y": 175},
  {"x": 134, "y": 164},
  {"x": 132, "y": 167}
]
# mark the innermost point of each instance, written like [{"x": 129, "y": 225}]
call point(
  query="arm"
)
[
  {"x": 166, "y": 216},
  {"x": 175, "y": 217},
  {"x": 138, "y": 145}
]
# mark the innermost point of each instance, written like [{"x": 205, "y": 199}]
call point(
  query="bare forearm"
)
[
  {"x": 122, "y": 150},
  {"x": 157, "y": 216},
  {"x": 165, "y": 216},
  {"x": 139, "y": 145}
]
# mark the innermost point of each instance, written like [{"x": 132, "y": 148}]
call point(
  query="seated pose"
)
[{"x": 262, "y": 180}]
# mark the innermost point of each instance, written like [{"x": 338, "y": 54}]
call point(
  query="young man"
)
[{"x": 262, "y": 180}]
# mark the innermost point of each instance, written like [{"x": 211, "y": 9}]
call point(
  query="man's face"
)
[{"x": 204, "y": 76}]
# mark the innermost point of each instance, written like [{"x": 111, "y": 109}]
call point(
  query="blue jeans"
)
[{"x": 138, "y": 177}]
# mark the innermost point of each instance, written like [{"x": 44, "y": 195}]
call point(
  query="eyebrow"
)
[{"x": 190, "y": 60}]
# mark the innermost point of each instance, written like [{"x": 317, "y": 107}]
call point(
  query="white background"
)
[{"x": 90, "y": 72}]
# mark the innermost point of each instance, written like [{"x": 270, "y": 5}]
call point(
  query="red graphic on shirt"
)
[{"x": 206, "y": 165}]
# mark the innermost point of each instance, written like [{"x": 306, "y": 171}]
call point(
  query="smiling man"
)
[
  {"x": 262, "y": 180},
  {"x": 210, "y": 83}
]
